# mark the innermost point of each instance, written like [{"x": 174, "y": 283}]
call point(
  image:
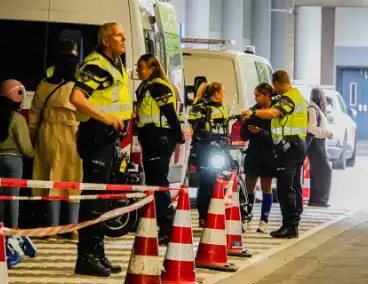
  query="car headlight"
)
[{"x": 218, "y": 161}]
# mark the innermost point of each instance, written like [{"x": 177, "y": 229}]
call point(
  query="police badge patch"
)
[{"x": 86, "y": 76}]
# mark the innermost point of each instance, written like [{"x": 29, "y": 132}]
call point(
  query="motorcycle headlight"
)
[{"x": 218, "y": 161}]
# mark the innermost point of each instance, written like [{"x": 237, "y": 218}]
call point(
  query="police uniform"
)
[
  {"x": 105, "y": 83},
  {"x": 204, "y": 117},
  {"x": 289, "y": 132},
  {"x": 159, "y": 132}
]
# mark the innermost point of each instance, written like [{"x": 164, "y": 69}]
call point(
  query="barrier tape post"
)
[{"x": 3, "y": 263}]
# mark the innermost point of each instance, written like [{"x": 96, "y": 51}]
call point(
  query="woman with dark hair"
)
[
  {"x": 53, "y": 127},
  {"x": 259, "y": 160},
  {"x": 14, "y": 143},
  {"x": 159, "y": 133},
  {"x": 319, "y": 165}
]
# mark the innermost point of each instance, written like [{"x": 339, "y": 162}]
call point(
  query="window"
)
[
  {"x": 353, "y": 94},
  {"x": 23, "y": 51},
  {"x": 31, "y": 47},
  {"x": 342, "y": 103},
  {"x": 330, "y": 103},
  {"x": 263, "y": 71}
]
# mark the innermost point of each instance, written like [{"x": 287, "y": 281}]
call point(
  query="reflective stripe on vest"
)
[
  {"x": 148, "y": 110},
  {"x": 295, "y": 123},
  {"x": 116, "y": 99}
]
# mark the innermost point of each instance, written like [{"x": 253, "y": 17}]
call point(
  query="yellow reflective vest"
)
[
  {"x": 216, "y": 112},
  {"x": 50, "y": 72},
  {"x": 115, "y": 99},
  {"x": 295, "y": 123},
  {"x": 149, "y": 108}
]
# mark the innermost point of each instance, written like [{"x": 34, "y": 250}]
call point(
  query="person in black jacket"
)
[{"x": 259, "y": 160}]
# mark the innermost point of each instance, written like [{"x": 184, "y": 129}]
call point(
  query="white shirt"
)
[{"x": 313, "y": 128}]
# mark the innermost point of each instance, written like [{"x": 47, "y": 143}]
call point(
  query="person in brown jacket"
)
[{"x": 53, "y": 127}]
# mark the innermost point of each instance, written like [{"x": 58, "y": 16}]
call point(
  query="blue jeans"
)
[{"x": 10, "y": 167}]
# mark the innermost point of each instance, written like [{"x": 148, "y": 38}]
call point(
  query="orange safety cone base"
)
[
  {"x": 179, "y": 266},
  {"x": 228, "y": 267},
  {"x": 144, "y": 279},
  {"x": 182, "y": 272}
]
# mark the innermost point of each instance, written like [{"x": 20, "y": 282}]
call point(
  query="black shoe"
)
[
  {"x": 163, "y": 240},
  {"x": 107, "y": 263},
  {"x": 286, "y": 233},
  {"x": 88, "y": 264}
]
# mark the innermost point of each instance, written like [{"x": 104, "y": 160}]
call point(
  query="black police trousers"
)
[
  {"x": 157, "y": 151},
  {"x": 289, "y": 187},
  {"x": 97, "y": 168}
]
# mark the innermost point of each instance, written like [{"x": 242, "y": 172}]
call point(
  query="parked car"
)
[{"x": 342, "y": 147}]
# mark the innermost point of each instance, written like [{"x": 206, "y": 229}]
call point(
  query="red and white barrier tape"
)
[
  {"x": 10, "y": 182},
  {"x": 76, "y": 197},
  {"x": 51, "y": 231}
]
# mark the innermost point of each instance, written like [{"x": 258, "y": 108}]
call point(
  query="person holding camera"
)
[
  {"x": 289, "y": 131},
  {"x": 206, "y": 113},
  {"x": 159, "y": 131}
]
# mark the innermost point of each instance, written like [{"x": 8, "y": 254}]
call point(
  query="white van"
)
[
  {"x": 240, "y": 73},
  {"x": 31, "y": 30}
]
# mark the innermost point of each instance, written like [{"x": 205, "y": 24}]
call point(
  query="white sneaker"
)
[
  {"x": 262, "y": 227},
  {"x": 13, "y": 242}
]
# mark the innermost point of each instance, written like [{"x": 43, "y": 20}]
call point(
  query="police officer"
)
[
  {"x": 66, "y": 46},
  {"x": 103, "y": 102},
  {"x": 159, "y": 133},
  {"x": 206, "y": 116},
  {"x": 289, "y": 130}
]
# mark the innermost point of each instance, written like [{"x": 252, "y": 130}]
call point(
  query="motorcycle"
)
[{"x": 224, "y": 156}]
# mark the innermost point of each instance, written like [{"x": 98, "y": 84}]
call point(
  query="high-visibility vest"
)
[
  {"x": 148, "y": 109},
  {"x": 295, "y": 123},
  {"x": 217, "y": 112},
  {"x": 115, "y": 99},
  {"x": 50, "y": 72}
]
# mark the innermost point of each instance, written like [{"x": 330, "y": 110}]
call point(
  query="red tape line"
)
[
  {"x": 51, "y": 231},
  {"x": 9, "y": 182},
  {"x": 76, "y": 197}
]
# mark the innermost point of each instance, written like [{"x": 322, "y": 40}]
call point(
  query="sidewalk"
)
[{"x": 342, "y": 260}]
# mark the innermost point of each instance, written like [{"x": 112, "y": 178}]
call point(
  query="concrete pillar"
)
[
  {"x": 232, "y": 24},
  {"x": 247, "y": 22},
  {"x": 197, "y": 18},
  {"x": 308, "y": 37},
  {"x": 261, "y": 27},
  {"x": 328, "y": 46},
  {"x": 279, "y": 34},
  {"x": 216, "y": 19}
]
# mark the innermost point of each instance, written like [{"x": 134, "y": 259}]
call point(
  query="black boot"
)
[
  {"x": 89, "y": 264},
  {"x": 107, "y": 263},
  {"x": 284, "y": 232}
]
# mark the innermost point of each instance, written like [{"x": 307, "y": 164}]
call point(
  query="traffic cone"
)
[
  {"x": 234, "y": 234},
  {"x": 144, "y": 264},
  {"x": 3, "y": 263},
  {"x": 306, "y": 182},
  {"x": 212, "y": 249},
  {"x": 179, "y": 264}
]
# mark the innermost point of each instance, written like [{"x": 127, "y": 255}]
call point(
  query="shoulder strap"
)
[{"x": 47, "y": 99}]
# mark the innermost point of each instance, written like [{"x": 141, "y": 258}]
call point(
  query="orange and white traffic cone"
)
[
  {"x": 306, "y": 182},
  {"x": 3, "y": 263},
  {"x": 179, "y": 264},
  {"x": 234, "y": 233},
  {"x": 212, "y": 249},
  {"x": 144, "y": 265}
]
